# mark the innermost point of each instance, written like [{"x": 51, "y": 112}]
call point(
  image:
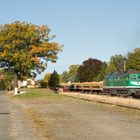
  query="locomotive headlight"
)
[{"x": 135, "y": 83}]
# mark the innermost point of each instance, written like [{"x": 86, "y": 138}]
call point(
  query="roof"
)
[{"x": 117, "y": 73}]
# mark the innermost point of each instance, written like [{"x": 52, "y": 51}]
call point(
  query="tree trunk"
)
[{"x": 15, "y": 83}]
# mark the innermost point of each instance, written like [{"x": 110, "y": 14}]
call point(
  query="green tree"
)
[
  {"x": 64, "y": 77},
  {"x": 8, "y": 78},
  {"x": 2, "y": 85},
  {"x": 5, "y": 80},
  {"x": 72, "y": 72},
  {"x": 25, "y": 49},
  {"x": 54, "y": 80},
  {"x": 133, "y": 61},
  {"x": 115, "y": 63},
  {"x": 102, "y": 73},
  {"x": 70, "y": 75}
]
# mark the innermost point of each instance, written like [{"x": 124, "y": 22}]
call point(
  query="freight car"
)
[
  {"x": 88, "y": 87},
  {"x": 123, "y": 83},
  {"x": 84, "y": 87}
]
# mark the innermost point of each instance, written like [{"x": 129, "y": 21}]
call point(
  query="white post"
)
[{"x": 16, "y": 90}]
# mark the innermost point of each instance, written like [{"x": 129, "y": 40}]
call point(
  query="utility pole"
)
[{"x": 124, "y": 64}]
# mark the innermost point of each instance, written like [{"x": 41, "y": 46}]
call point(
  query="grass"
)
[{"x": 40, "y": 93}]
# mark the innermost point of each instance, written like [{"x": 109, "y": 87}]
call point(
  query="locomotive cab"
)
[
  {"x": 134, "y": 84},
  {"x": 123, "y": 83}
]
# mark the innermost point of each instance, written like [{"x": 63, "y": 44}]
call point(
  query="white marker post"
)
[{"x": 16, "y": 90}]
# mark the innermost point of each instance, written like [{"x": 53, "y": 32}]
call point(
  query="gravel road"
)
[
  {"x": 66, "y": 118},
  {"x": 14, "y": 125}
]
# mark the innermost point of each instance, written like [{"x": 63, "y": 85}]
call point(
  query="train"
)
[{"x": 124, "y": 84}]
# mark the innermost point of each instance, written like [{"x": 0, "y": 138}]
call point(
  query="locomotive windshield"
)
[{"x": 133, "y": 77}]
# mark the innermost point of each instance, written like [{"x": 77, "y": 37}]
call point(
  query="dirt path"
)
[{"x": 73, "y": 119}]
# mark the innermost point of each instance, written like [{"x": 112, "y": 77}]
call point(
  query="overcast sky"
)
[{"x": 87, "y": 28}]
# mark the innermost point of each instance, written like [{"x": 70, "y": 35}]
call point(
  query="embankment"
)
[{"x": 125, "y": 102}]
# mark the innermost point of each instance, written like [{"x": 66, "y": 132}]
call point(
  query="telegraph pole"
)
[{"x": 124, "y": 64}]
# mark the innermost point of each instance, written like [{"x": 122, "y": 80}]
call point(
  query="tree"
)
[
  {"x": 102, "y": 73},
  {"x": 133, "y": 61},
  {"x": 64, "y": 77},
  {"x": 54, "y": 80},
  {"x": 89, "y": 70},
  {"x": 115, "y": 63},
  {"x": 8, "y": 80},
  {"x": 25, "y": 49},
  {"x": 69, "y": 75},
  {"x": 72, "y": 72},
  {"x": 5, "y": 80},
  {"x": 47, "y": 77}
]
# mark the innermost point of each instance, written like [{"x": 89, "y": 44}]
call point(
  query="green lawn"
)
[
  {"x": 43, "y": 96},
  {"x": 33, "y": 93}
]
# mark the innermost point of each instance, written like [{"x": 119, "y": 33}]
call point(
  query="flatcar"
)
[
  {"x": 84, "y": 87},
  {"x": 88, "y": 87},
  {"x": 123, "y": 83}
]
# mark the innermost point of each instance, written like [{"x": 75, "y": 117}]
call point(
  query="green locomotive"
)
[{"x": 123, "y": 83}]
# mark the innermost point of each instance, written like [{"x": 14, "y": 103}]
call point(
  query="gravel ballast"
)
[{"x": 125, "y": 102}]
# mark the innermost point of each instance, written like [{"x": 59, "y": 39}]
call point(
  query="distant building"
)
[{"x": 29, "y": 83}]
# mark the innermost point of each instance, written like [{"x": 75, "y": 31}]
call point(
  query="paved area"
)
[
  {"x": 4, "y": 119},
  {"x": 14, "y": 125}
]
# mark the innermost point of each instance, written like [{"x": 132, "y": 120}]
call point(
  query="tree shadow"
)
[{"x": 4, "y": 113}]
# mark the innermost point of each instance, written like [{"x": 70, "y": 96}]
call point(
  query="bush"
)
[
  {"x": 2, "y": 85},
  {"x": 43, "y": 84}
]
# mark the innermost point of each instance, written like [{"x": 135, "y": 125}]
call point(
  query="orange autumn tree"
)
[{"x": 25, "y": 49}]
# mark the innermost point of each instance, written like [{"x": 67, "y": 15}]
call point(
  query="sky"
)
[{"x": 87, "y": 28}]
